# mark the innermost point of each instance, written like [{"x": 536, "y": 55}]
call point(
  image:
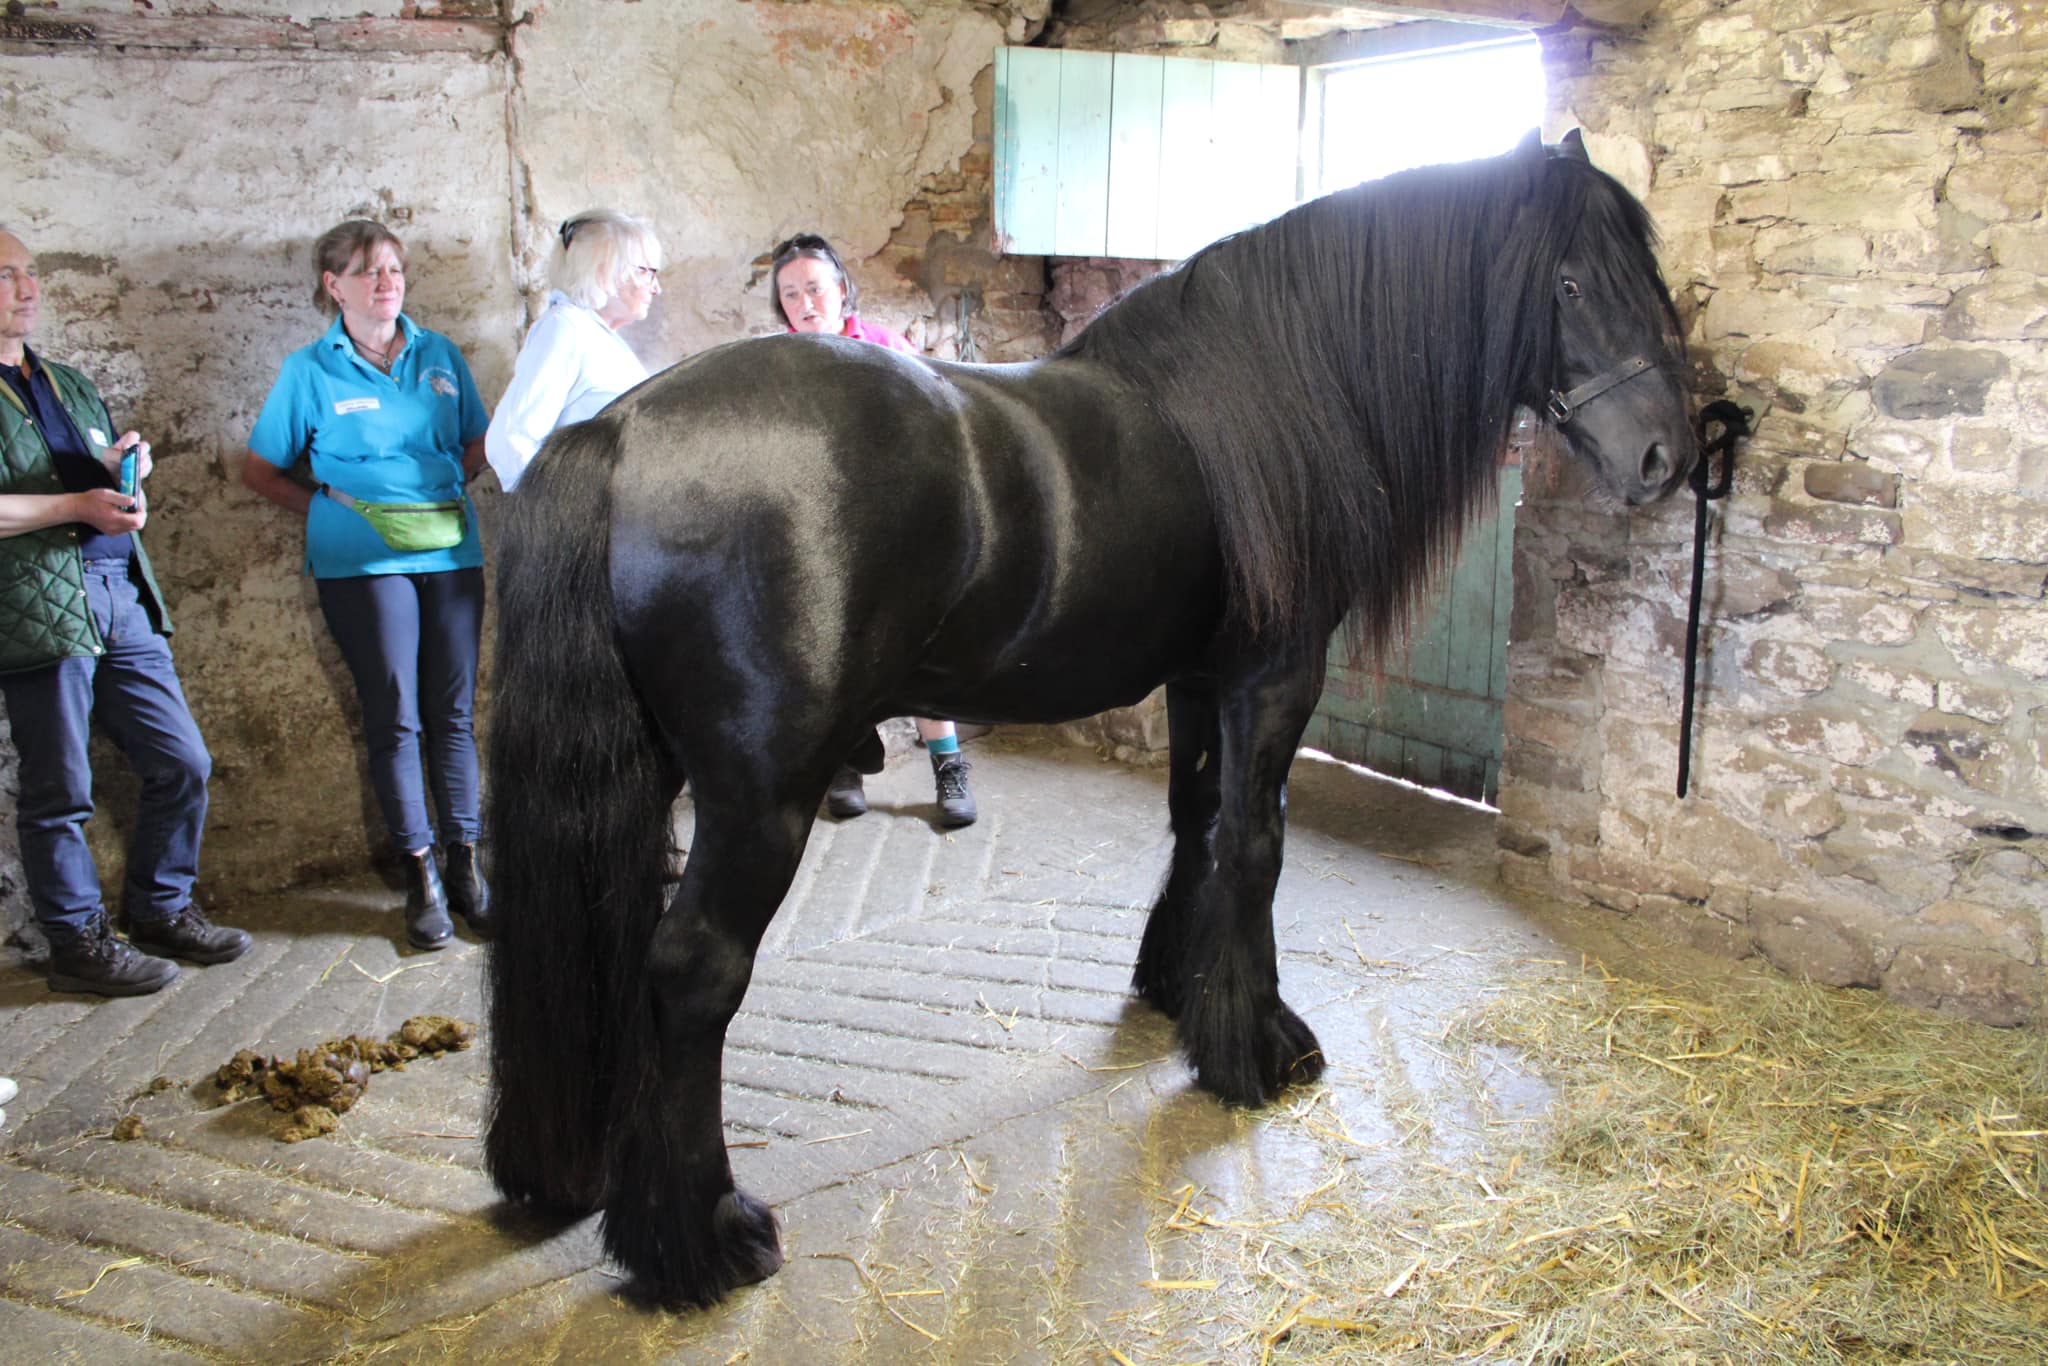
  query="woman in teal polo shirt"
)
[{"x": 385, "y": 415}]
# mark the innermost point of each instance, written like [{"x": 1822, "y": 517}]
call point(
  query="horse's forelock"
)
[{"x": 1618, "y": 240}]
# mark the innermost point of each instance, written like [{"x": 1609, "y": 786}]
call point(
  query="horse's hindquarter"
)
[{"x": 815, "y": 519}]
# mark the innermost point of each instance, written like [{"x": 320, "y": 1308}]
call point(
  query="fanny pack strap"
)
[{"x": 355, "y": 504}]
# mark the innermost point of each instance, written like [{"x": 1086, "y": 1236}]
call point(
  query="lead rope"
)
[{"x": 1734, "y": 420}]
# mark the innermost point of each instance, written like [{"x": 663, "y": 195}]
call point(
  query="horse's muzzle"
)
[{"x": 1660, "y": 473}]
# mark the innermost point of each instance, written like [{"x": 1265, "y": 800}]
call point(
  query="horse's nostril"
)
[{"x": 1656, "y": 466}]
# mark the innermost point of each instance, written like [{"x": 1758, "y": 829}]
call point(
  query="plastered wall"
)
[{"x": 171, "y": 167}]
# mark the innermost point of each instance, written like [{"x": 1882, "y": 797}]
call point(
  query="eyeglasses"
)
[
  {"x": 647, "y": 274},
  {"x": 12, "y": 274}
]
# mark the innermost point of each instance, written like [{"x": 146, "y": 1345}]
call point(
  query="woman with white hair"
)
[{"x": 606, "y": 272}]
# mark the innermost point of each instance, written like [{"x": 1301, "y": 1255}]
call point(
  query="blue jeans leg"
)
[
  {"x": 451, "y": 638},
  {"x": 49, "y": 712},
  {"x": 133, "y": 689},
  {"x": 411, "y": 642},
  {"x": 140, "y": 703}
]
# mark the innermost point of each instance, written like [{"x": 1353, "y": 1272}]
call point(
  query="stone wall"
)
[
  {"x": 170, "y": 167},
  {"x": 1853, "y": 197}
]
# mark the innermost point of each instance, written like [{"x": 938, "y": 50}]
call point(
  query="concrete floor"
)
[{"x": 966, "y": 1126}]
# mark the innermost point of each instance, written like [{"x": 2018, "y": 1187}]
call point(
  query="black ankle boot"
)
[
  {"x": 846, "y": 799},
  {"x": 469, "y": 896},
  {"x": 956, "y": 803},
  {"x": 426, "y": 905},
  {"x": 94, "y": 960}
]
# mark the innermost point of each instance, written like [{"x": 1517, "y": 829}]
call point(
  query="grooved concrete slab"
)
[{"x": 968, "y": 1127}]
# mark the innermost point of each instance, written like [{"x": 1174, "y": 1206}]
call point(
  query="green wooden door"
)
[{"x": 1435, "y": 717}]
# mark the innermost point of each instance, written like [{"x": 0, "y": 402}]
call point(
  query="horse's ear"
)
[{"x": 1575, "y": 146}]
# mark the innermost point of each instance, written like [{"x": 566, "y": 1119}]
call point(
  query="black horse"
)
[{"x": 737, "y": 570}]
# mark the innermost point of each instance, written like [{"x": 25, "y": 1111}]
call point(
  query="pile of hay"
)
[{"x": 1742, "y": 1171}]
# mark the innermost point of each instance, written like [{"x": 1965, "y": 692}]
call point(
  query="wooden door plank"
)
[
  {"x": 1081, "y": 215},
  {"x": 1429, "y": 653},
  {"x": 1137, "y": 94},
  {"x": 1185, "y": 156},
  {"x": 1468, "y": 662},
  {"x": 1027, "y": 165},
  {"x": 1504, "y": 577}
]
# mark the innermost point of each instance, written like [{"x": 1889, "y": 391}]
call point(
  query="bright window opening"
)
[{"x": 1389, "y": 113}]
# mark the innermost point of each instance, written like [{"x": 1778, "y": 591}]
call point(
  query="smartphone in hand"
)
[{"x": 128, "y": 478}]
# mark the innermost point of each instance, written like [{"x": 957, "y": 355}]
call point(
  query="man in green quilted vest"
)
[{"x": 83, "y": 638}]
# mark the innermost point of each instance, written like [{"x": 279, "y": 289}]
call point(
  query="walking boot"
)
[
  {"x": 188, "y": 934},
  {"x": 845, "y": 799},
  {"x": 426, "y": 905},
  {"x": 956, "y": 803},
  {"x": 469, "y": 896},
  {"x": 94, "y": 960}
]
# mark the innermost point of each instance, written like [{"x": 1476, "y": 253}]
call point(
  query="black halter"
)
[{"x": 1563, "y": 407}]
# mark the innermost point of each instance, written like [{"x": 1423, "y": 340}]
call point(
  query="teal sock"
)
[{"x": 941, "y": 747}]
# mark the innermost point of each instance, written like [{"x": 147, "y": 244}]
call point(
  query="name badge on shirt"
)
[
  {"x": 345, "y": 406},
  {"x": 96, "y": 436}
]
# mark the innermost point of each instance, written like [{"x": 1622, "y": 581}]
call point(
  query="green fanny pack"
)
[{"x": 409, "y": 526}]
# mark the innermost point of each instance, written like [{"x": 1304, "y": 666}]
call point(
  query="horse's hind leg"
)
[
  {"x": 673, "y": 1217},
  {"x": 1244, "y": 1042},
  {"x": 1191, "y": 802}
]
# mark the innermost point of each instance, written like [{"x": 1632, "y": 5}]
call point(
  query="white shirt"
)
[{"x": 571, "y": 366}]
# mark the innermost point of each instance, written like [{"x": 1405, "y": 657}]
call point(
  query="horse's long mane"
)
[{"x": 1346, "y": 374}]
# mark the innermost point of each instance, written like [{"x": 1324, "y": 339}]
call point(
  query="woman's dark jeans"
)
[{"x": 411, "y": 641}]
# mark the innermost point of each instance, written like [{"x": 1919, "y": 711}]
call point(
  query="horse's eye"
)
[{"x": 1571, "y": 288}]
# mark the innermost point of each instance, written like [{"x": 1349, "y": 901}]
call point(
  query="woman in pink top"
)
[{"x": 813, "y": 293}]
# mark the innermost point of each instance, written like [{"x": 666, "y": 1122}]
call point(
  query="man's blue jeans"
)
[{"x": 133, "y": 691}]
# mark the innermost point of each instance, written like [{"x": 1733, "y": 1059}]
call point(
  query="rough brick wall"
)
[{"x": 1853, "y": 199}]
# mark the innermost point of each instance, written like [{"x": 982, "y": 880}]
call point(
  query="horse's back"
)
[{"x": 818, "y": 516}]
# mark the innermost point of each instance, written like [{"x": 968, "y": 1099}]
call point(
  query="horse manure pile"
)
[
  {"x": 1741, "y": 1171},
  {"x": 323, "y": 1083}
]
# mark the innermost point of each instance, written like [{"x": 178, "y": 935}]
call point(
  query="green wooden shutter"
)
[
  {"x": 1434, "y": 716},
  {"x": 1128, "y": 155}
]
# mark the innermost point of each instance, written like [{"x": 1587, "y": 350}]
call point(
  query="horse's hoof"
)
[
  {"x": 738, "y": 1246},
  {"x": 1159, "y": 977},
  {"x": 559, "y": 1199},
  {"x": 1297, "y": 1057},
  {"x": 1250, "y": 1072},
  {"x": 1157, "y": 988},
  {"x": 745, "y": 1229}
]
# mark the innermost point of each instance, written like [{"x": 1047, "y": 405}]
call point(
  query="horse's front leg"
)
[
  {"x": 674, "y": 1218},
  {"x": 1160, "y": 976},
  {"x": 1244, "y": 1042}
]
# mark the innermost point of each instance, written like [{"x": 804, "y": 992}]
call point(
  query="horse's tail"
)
[{"x": 579, "y": 795}]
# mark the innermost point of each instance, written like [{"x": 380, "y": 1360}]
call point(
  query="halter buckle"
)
[{"x": 1562, "y": 406}]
